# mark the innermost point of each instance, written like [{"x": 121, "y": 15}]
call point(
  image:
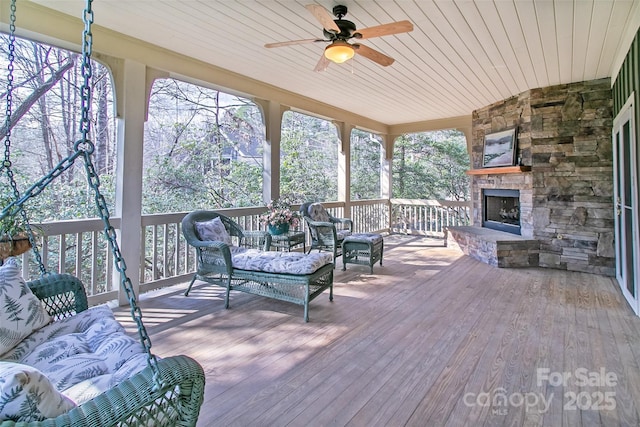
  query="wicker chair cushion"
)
[
  {"x": 23, "y": 386},
  {"x": 280, "y": 262},
  {"x": 213, "y": 230},
  {"x": 82, "y": 355},
  {"x": 317, "y": 212},
  {"x": 22, "y": 312}
]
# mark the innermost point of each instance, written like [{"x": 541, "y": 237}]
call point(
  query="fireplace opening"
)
[{"x": 501, "y": 210}]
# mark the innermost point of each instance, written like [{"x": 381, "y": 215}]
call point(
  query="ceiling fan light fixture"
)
[{"x": 339, "y": 51}]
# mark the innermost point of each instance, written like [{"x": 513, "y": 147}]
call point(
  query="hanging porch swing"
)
[{"x": 167, "y": 391}]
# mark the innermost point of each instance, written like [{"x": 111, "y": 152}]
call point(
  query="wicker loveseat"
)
[
  {"x": 223, "y": 260},
  {"x": 78, "y": 367}
]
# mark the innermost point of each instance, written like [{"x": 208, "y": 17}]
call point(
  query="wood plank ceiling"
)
[{"x": 462, "y": 55}]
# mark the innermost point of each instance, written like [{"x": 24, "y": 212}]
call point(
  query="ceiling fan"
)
[{"x": 339, "y": 31}]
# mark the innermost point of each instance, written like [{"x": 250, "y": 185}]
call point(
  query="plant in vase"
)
[
  {"x": 279, "y": 216},
  {"x": 14, "y": 239}
]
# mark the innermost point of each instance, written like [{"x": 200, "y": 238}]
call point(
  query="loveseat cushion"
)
[
  {"x": 21, "y": 312},
  {"x": 280, "y": 262},
  {"x": 26, "y": 394}
]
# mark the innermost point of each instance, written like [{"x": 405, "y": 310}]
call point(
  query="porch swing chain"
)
[
  {"x": 85, "y": 148},
  {"x": 6, "y": 164}
]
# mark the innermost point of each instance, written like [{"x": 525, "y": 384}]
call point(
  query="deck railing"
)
[
  {"x": 78, "y": 247},
  {"x": 427, "y": 217}
]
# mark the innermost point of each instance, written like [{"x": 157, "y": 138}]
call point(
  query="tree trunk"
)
[{"x": 102, "y": 126}]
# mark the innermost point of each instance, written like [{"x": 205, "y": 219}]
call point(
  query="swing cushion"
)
[
  {"x": 21, "y": 312},
  {"x": 82, "y": 355}
]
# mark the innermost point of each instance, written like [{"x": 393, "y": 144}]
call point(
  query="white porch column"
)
[
  {"x": 272, "y": 115},
  {"x": 129, "y": 150},
  {"x": 386, "y": 176},
  {"x": 344, "y": 165}
]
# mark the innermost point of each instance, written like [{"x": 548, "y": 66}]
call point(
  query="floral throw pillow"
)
[
  {"x": 21, "y": 312},
  {"x": 213, "y": 230},
  {"x": 26, "y": 394}
]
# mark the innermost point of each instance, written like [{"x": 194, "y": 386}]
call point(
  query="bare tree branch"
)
[{"x": 35, "y": 95}]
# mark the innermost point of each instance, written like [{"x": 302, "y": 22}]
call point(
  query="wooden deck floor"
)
[{"x": 431, "y": 338}]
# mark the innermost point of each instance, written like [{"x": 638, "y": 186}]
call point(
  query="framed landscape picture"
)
[{"x": 499, "y": 149}]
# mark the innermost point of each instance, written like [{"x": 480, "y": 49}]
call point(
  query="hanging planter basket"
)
[{"x": 14, "y": 245}]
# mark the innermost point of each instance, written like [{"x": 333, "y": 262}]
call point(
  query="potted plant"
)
[
  {"x": 14, "y": 239},
  {"x": 279, "y": 216}
]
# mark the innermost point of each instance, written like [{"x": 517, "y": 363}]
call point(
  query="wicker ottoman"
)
[{"x": 364, "y": 248}]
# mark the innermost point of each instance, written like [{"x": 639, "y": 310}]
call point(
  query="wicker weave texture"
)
[{"x": 297, "y": 289}]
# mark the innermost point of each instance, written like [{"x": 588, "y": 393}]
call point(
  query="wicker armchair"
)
[
  {"x": 214, "y": 256},
  {"x": 327, "y": 232}
]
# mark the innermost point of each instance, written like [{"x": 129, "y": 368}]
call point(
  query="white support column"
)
[
  {"x": 386, "y": 180},
  {"x": 468, "y": 134},
  {"x": 272, "y": 115},
  {"x": 129, "y": 170},
  {"x": 386, "y": 175},
  {"x": 344, "y": 165}
]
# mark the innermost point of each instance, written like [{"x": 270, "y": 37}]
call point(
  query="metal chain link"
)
[
  {"x": 7, "y": 141},
  {"x": 11, "y": 58},
  {"x": 87, "y": 148},
  {"x": 120, "y": 264}
]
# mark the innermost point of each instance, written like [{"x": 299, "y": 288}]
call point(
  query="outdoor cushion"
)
[
  {"x": 213, "y": 230},
  {"x": 21, "y": 312},
  {"x": 280, "y": 262},
  {"x": 26, "y": 394},
  {"x": 317, "y": 212},
  {"x": 364, "y": 237}
]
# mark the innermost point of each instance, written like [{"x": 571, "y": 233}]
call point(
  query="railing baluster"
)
[
  {"x": 62, "y": 252},
  {"x": 165, "y": 250},
  {"x": 78, "y": 256},
  {"x": 154, "y": 256}
]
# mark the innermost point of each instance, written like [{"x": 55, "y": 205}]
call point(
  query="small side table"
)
[{"x": 289, "y": 240}]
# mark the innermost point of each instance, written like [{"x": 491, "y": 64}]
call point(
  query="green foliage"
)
[
  {"x": 431, "y": 165},
  {"x": 365, "y": 165},
  {"x": 203, "y": 149},
  {"x": 309, "y": 158},
  {"x": 45, "y": 135}
]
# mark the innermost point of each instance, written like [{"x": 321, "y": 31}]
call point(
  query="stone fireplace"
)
[{"x": 564, "y": 182}]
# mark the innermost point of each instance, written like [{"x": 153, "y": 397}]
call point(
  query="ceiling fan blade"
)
[
  {"x": 374, "y": 55},
  {"x": 292, "y": 42},
  {"x": 322, "y": 64},
  {"x": 384, "y": 30},
  {"x": 324, "y": 17}
]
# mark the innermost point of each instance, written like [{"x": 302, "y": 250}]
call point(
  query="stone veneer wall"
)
[{"x": 564, "y": 134}]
